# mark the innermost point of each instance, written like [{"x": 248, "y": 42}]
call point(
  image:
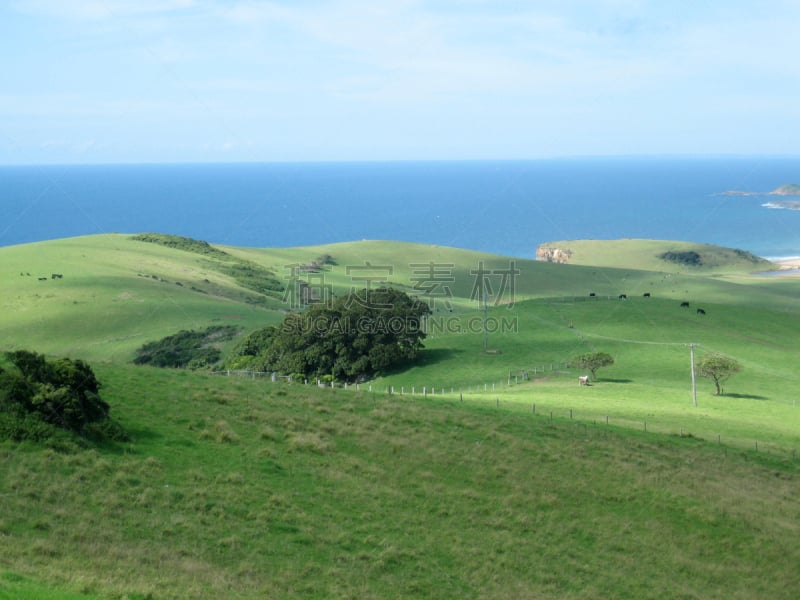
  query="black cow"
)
[
  {"x": 42, "y": 278},
  {"x": 684, "y": 305},
  {"x": 623, "y": 297},
  {"x": 592, "y": 294},
  {"x": 646, "y": 294},
  {"x": 700, "y": 311}
]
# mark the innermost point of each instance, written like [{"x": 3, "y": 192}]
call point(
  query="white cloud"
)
[
  {"x": 93, "y": 10},
  {"x": 412, "y": 69}
]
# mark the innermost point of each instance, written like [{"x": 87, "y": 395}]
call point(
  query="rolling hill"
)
[{"x": 469, "y": 474}]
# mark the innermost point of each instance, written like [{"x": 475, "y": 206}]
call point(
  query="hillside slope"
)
[
  {"x": 246, "y": 488},
  {"x": 500, "y": 485},
  {"x": 655, "y": 255},
  {"x": 116, "y": 293}
]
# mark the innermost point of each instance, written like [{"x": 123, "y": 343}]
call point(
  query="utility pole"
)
[
  {"x": 485, "y": 322},
  {"x": 694, "y": 384}
]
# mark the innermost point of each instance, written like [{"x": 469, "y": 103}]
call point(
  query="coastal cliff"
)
[{"x": 553, "y": 255}]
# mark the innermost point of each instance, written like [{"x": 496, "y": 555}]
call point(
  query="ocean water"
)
[{"x": 506, "y": 207}]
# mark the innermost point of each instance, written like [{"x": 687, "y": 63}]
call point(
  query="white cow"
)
[{"x": 583, "y": 380}]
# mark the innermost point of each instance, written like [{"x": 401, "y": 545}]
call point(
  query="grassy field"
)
[
  {"x": 255, "y": 489},
  {"x": 495, "y": 486}
]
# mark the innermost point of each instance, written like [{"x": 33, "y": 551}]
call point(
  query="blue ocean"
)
[{"x": 505, "y": 207}]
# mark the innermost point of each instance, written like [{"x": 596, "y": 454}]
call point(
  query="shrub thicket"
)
[
  {"x": 192, "y": 349},
  {"x": 689, "y": 258},
  {"x": 39, "y": 397},
  {"x": 248, "y": 274}
]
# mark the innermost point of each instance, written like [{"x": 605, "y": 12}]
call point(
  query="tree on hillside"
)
[
  {"x": 592, "y": 361},
  {"x": 356, "y": 336},
  {"x": 719, "y": 368}
]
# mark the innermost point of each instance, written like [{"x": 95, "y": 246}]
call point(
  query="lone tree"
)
[
  {"x": 719, "y": 368},
  {"x": 592, "y": 361}
]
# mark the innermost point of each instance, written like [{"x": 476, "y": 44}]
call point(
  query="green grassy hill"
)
[
  {"x": 661, "y": 255},
  {"x": 487, "y": 484},
  {"x": 246, "y": 488},
  {"x": 115, "y": 295},
  {"x": 118, "y": 293}
]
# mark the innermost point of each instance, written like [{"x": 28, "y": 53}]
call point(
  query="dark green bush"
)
[
  {"x": 186, "y": 349},
  {"x": 41, "y": 397},
  {"x": 689, "y": 257}
]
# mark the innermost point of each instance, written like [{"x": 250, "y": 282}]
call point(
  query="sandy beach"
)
[{"x": 790, "y": 265}]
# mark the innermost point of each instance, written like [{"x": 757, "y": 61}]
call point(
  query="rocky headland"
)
[
  {"x": 789, "y": 189},
  {"x": 553, "y": 255}
]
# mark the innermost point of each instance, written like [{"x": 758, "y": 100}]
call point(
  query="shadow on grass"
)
[
  {"x": 605, "y": 380},
  {"x": 136, "y": 436},
  {"x": 139, "y": 434},
  {"x": 746, "y": 396},
  {"x": 425, "y": 358},
  {"x": 436, "y": 355}
]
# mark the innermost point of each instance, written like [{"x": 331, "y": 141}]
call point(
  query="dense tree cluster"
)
[
  {"x": 38, "y": 395},
  {"x": 357, "y": 336}
]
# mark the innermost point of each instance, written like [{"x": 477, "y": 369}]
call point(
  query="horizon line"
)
[{"x": 565, "y": 157}]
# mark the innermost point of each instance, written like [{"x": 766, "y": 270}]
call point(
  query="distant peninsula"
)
[{"x": 789, "y": 189}]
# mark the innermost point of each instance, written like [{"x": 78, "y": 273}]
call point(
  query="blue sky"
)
[{"x": 93, "y": 81}]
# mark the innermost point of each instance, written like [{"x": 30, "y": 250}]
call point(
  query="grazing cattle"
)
[
  {"x": 592, "y": 294},
  {"x": 700, "y": 311},
  {"x": 42, "y": 278},
  {"x": 56, "y": 276},
  {"x": 684, "y": 305},
  {"x": 583, "y": 380},
  {"x": 623, "y": 297},
  {"x": 646, "y": 294}
]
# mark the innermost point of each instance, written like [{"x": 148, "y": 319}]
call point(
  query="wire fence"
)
[
  {"x": 582, "y": 418},
  {"x": 514, "y": 378}
]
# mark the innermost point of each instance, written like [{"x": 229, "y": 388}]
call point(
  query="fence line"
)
[
  {"x": 514, "y": 378},
  {"x": 607, "y": 420}
]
